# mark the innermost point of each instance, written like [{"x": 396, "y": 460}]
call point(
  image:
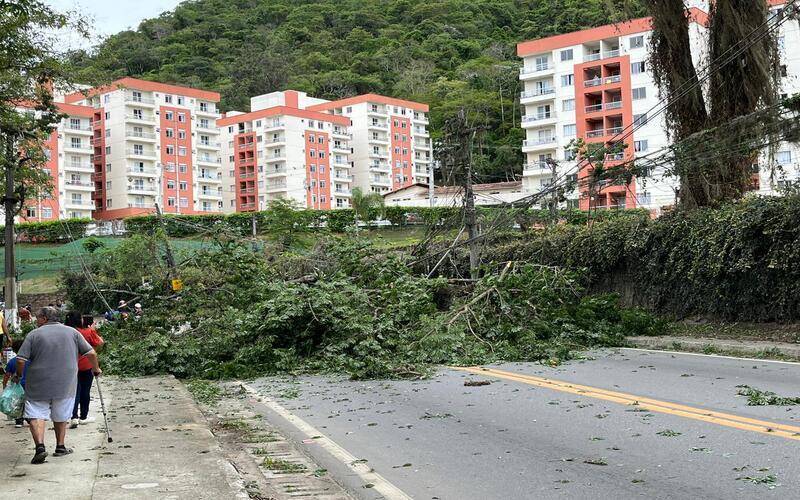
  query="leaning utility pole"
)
[
  {"x": 431, "y": 186},
  {"x": 9, "y": 204},
  {"x": 469, "y": 213},
  {"x": 167, "y": 247}
]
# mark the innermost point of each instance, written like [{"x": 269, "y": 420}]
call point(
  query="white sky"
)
[{"x": 111, "y": 16}]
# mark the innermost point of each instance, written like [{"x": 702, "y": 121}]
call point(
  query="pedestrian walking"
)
[
  {"x": 85, "y": 376},
  {"x": 52, "y": 352}
]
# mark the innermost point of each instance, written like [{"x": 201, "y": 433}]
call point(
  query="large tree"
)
[{"x": 741, "y": 69}]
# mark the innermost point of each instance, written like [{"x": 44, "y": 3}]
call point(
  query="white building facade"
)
[{"x": 154, "y": 144}]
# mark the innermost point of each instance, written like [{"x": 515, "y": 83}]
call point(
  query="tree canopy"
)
[{"x": 448, "y": 53}]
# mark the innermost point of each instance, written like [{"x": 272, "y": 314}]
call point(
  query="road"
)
[{"x": 641, "y": 424}]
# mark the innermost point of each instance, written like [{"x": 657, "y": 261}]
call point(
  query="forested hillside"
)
[{"x": 449, "y": 53}]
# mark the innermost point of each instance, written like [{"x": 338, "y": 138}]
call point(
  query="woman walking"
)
[{"x": 80, "y": 412}]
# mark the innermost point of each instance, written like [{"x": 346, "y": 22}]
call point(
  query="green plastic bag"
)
[{"x": 12, "y": 400}]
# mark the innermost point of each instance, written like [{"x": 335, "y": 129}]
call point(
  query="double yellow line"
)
[{"x": 654, "y": 405}]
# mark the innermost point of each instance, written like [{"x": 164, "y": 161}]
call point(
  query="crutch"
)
[{"x": 103, "y": 408}]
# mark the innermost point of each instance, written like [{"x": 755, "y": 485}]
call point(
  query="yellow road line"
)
[{"x": 654, "y": 405}]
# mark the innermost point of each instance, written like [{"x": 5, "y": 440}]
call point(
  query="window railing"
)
[
  {"x": 139, "y": 99},
  {"x": 143, "y": 171},
  {"x": 611, "y": 53},
  {"x": 592, "y": 57},
  {"x": 539, "y": 141},
  {"x": 538, "y": 92},
  {"x": 595, "y": 133},
  {"x": 536, "y": 118},
  {"x": 139, "y": 135},
  {"x": 613, "y": 105},
  {"x": 535, "y": 69},
  {"x": 594, "y": 107},
  {"x": 538, "y": 165}
]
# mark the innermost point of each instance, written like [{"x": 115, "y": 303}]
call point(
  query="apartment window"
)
[
  {"x": 168, "y": 99},
  {"x": 184, "y": 202},
  {"x": 783, "y": 157},
  {"x": 638, "y": 67},
  {"x": 75, "y": 142},
  {"x": 640, "y": 119},
  {"x": 138, "y": 184},
  {"x": 107, "y": 115},
  {"x": 170, "y": 184},
  {"x": 322, "y": 154},
  {"x": 321, "y": 184},
  {"x": 108, "y": 185},
  {"x": 204, "y": 123},
  {"x": 640, "y": 93},
  {"x": 170, "y": 149},
  {"x": 169, "y": 116},
  {"x": 321, "y": 140},
  {"x": 566, "y": 55},
  {"x": 312, "y": 153},
  {"x": 138, "y": 149},
  {"x": 181, "y": 151},
  {"x": 137, "y": 114},
  {"x": 640, "y": 146},
  {"x": 75, "y": 123},
  {"x": 568, "y": 105},
  {"x": 171, "y": 201},
  {"x": 182, "y": 117},
  {"x": 182, "y": 168},
  {"x": 541, "y": 63},
  {"x": 183, "y": 186},
  {"x": 569, "y": 130},
  {"x": 636, "y": 42},
  {"x": 181, "y": 134},
  {"x": 311, "y": 139},
  {"x": 108, "y": 150},
  {"x": 30, "y": 212},
  {"x": 108, "y": 203},
  {"x": 567, "y": 80},
  {"x": 169, "y": 132},
  {"x": 180, "y": 100},
  {"x": 47, "y": 213}
]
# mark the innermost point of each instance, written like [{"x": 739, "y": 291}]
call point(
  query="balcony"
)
[
  {"x": 275, "y": 157},
  {"x": 275, "y": 141},
  {"x": 79, "y": 167},
  {"x": 209, "y": 178},
  {"x": 537, "y": 70},
  {"x": 537, "y": 120},
  {"x": 594, "y": 108},
  {"x": 79, "y": 203},
  {"x": 421, "y": 119},
  {"x": 383, "y": 181},
  {"x": 277, "y": 186},
  {"x": 206, "y": 110},
  {"x": 596, "y": 56},
  {"x": 214, "y": 160},
  {"x": 139, "y": 101},
  {"x": 150, "y": 119},
  {"x": 78, "y": 185},
  {"x": 207, "y": 128},
  {"x": 593, "y": 134},
  {"x": 611, "y": 54},
  {"x": 248, "y": 206},
  {"x": 338, "y": 132},
  {"x": 382, "y": 126},
  {"x": 532, "y": 95},
  {"x": 276, "y": 172},
  {"x": 141, "y": 189},
  {"x": 274, "y": 125},
  {"x": 82, "y": 147},
  {"x": 142, "y": 172},
  {"x": 539, "y": 167},
  {"x": 208, "y": 145},
  {"x": 379, "y": 154},
  {"x": 133, "y": 134},
  {"x": 208, "y": 194},
  {"x": 380, "y": 167},
  {"x": 78, "y": 129},
  {"x": 540, "y": 143},
  {"x": 140, "y": 153},
  {"x": 246, "y": 145},
  {"x": 613, "y": 105},
  {"x": 342, "y": 176},
  {"x": 250, "y": 190},
  {"x": 248, "y": 173},
  {"x": 342, "y": 192},
  {"x": 422, "y": 145}
]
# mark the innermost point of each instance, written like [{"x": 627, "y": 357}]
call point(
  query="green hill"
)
[{"x": 449, "y": 53}]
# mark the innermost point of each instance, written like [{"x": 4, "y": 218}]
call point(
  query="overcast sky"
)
[{"x": 112, "y": 16}]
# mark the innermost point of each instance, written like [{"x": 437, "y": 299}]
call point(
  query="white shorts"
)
[{"x": 57, "y": 410}]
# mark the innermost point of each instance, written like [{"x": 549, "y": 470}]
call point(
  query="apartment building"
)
[
  {"x": 69, "y": 163},
  {"x": 153, "y": 143},
  {"x": 391, "y": 147},
  {"x": 281, "y": 151},
  {"x": 595, "y": 85}
]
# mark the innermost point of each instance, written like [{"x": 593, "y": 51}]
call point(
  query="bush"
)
[{"x": 57, "y": 231}]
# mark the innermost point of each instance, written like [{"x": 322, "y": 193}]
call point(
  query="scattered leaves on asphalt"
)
[
  {"x": 668, "y": 433},
  {"x": 596, "y": 461},
  {"x": 476, "y": 383},
  {"x": 757, "y": 397}
]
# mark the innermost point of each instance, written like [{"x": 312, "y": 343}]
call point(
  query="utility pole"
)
[
  {"x": 463, "y": 157},
  {"x": 167, "y": 247},
  {"x": 554, "y": 195},
  {"x": 431, "y": 185},
  {"x": 9, "y": 203}
]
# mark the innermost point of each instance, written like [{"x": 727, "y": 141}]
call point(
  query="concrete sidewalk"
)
[
  {"x": 749, "y": 348},
  {"x": 162, "y": 448}
]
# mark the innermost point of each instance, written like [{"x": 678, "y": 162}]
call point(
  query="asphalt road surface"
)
[{"x": 625, "y": 424}]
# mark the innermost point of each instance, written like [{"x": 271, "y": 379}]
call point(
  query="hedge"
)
[
  {"x": 181, "y": 226},
  {"x": 56, "y": 231},
  {"x": 740, "y": 262}
]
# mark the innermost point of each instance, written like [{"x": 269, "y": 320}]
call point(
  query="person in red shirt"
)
[{"x": 85, "y": 376}]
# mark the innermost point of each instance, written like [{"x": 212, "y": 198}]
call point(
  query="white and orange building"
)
[
  {"x": 153, "y": 143},
  {"x": 69, "y": 163},
  {"x": 596, "y": 85},
  {"x": 391, "y": 144},
  {"x": 281, "y": 151}
]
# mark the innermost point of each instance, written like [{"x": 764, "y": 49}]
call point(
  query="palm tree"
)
[{"x": 366, "y": 207}]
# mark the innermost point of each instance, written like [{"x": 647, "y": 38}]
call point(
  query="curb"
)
[{"x": 755, "y": 349}]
